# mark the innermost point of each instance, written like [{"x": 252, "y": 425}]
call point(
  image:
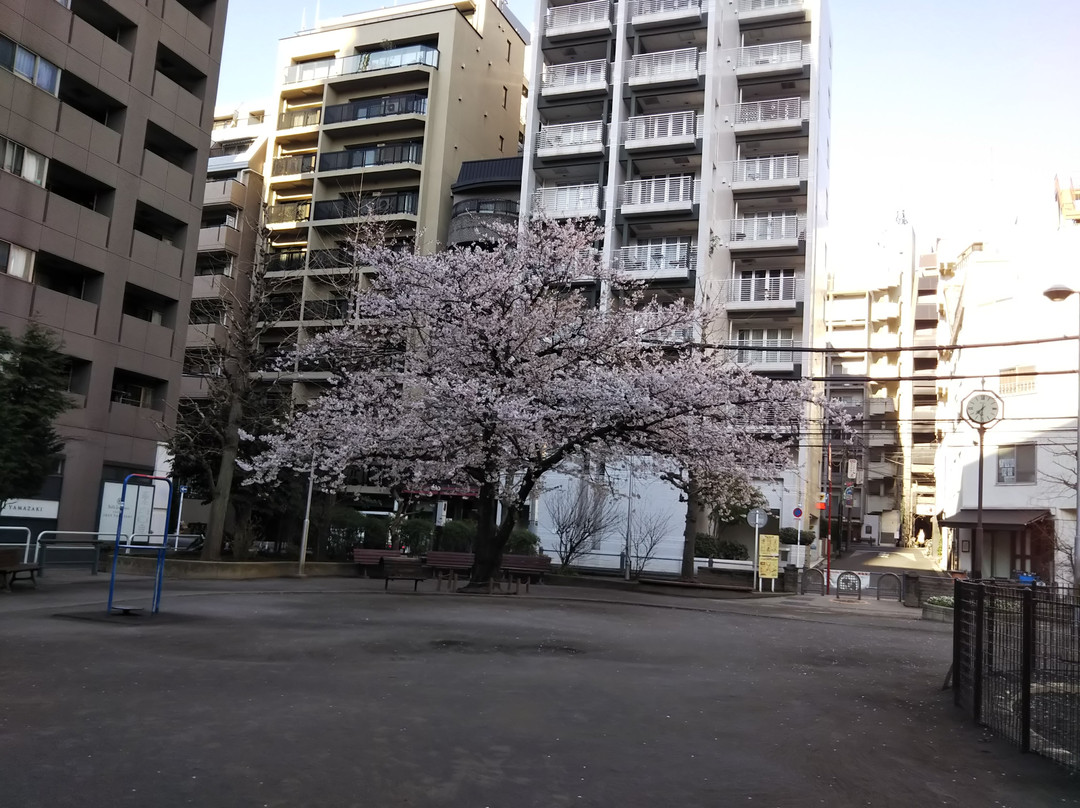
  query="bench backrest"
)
[
  {"x": 449, "y": 560},
  {"x": 540, "y": 563},
  {"x": 363, "y": 555},
  {"x": 395, "y": 565},
  {"x": 10, "y": 556}
]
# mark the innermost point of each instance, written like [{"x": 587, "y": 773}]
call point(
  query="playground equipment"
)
[{"x": 159, "y": 575}]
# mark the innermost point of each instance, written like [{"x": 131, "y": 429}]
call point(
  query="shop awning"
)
[{"x": 996, "y": 518}]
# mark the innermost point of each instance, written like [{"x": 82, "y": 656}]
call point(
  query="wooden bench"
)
[
  {"x": 12, "y": 566},
  {"x": 402, "y": 568},
  {"x": 523, "y": 568},
  {"x": 446, "y": 565},
  {"x": 366, "y": 559}
]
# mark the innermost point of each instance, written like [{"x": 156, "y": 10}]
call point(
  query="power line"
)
[{"x": 903, "y": 348}]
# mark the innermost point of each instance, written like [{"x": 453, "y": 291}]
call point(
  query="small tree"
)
[
  {"x": 647, "y": 530},
  {"x": 33, "y": 378},
  {"x": 580, "y": 518}
]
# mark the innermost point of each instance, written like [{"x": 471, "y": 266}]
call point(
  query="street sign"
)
[
  {"x": 757, "y": 517},
  {"x": 849, "y": 496},
  {"x": 770, "y": 545},
  {"x": 768, "y": 567},
  {"x": 852, "y": 469},
  {"x": 183, "y": 489},
  {"x": 797, "y": 513},
  {"x": 440, "y": 513}
]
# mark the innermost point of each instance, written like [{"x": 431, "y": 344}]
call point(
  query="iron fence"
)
[{"x": 1016, "y": 664}]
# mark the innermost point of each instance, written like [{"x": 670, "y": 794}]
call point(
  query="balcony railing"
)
[
  {"x": 372, "y": 156},
  {"x": 281, "y": 309},
  {"x": 777, "y": 227},
  {"x": 288, "y": 212},
  {"x": 570, "y": 138},
  {"x": 770, "y": 169},
  {"x": 669, "y": 128},
  {"x": 646, "y": 10},
  {"x": 288, "y": 261},
  {"x": 293, "y": 164},
  {"x": 755, "y": 7},
  {"x": 407, "y": 104},
  {"x": 493, "y": 207},
  {"x": 775, "y": 54},
  {"x": 654, "y": 259},
  {"x": 298, "y": 117},
  {"x": 772, "y": 111},
  {"x": 766, "y": 351},
  {"x": 660, "y": 193},
  {"x": 399, "y": 204},
  {"x": 675, "y": 65},
  {"x": 334, "y": 309},
  {"x": 411, "y": 55},
  {"x": 765, "y": 291},
  {"x": 577, "y": 17},
  {"x": 568, "y": 200},
  {"x": 575, "y": 77}
]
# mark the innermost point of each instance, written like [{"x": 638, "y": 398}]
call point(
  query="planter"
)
[{"x": 938, "y": 614}]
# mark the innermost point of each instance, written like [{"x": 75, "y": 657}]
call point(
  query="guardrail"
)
[{"x": 27, "y": 543}]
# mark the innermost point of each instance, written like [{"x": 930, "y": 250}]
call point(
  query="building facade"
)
[
  {"x": 105, "y": 111},
  {"x": 696, "y": 133}
]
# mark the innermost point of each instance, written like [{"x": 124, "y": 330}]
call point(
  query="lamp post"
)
[{"x": 1057, "y": 294}]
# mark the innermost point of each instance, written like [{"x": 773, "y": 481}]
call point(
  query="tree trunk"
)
[
  {"x": 688, "y": 572},
  {"x": 219, "y": 505},
  {"x": 491, "y": 539}
]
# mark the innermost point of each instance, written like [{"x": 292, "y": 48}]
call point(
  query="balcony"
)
[
  {"x": 288, "y": 213},
  {"x": 481, "y": 220},
  {"x": 323, "y": 69},
  {"x": 774, "y": 231},
  {"x": 667, "y": 67},
  {"x": 578, "y": 18},
  {"x": 336, "y": 309},
  {"x": 884, "y": 340},
  {"x": 660, "y": 195},
  {"x": 755, "y": 10},
  {"x": 773, "y": 115},
  {"x": 924, "y": 387},
  {"x": 568, "y": 201},
  {"x": 881, "y": 310},
  {"x": 286, "y": 261},
  {"x": 292, "y": 165},
  {"x": 660, "y": 12},
  {"x": 926, "y": 340},
  {"x": 224, "y": 192},
  {"x": 372, "y": 157},
  {"x": 662, "y": 131},
  {"x": 926, "y": 313},
  {"x": 220, "y": 237},
  {"x": 768, "y": 294},
  {"x": 772, "y": 355},
  {"x": 569, "y": 139},
  {"x": 923, "y": 457},
  {"x": 769, "y": 173},
  {"x": 574, "y": 78},
  {"x": 298, "y": 118},
  {"x": 406, "y": 203},
  {"x": 653, "y": 261},
  {"x": 771, "y": 59},
  {"x": 875, "y": 503},
  {"x": 359, "y": 113}
]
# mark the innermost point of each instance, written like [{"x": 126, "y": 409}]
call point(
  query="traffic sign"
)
[
  {"x": 757, "y": 517},
  {"x": 797, "y": 513},
  {"x": 183, "y": 489}
]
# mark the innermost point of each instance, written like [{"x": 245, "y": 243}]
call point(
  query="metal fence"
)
[{"x": 1016, "y": 664}]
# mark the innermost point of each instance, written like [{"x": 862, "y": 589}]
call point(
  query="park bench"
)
[
  {"x": 402, "y": 568},
  {"x": 365, "y": 559},
  {"x": 523, "y": 568},
  {"x": 446, "y": 565},
  {"x": 12, "y": 566}
]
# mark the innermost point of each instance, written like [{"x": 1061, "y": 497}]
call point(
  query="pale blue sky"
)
[{"x": 958, "y": 111}]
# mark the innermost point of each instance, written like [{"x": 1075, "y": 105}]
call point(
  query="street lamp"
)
[{"x": 1057, "y": 294}]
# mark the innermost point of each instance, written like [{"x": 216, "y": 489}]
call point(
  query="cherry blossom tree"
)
[{"x": 491, "y": 366}]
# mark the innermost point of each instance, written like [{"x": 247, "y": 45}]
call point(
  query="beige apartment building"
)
[{"x": 105, "y": 111}]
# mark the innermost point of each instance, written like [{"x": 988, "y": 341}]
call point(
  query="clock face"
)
[{"x": 982, "y": 408}]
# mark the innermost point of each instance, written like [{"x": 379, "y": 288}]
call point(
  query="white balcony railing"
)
[
  {"x": 753, "y": 8},
  {"x": 767, "y": 352},
  {"x": 649, "y": 10},
  {"x": 565, "y": 201},
  {"x": 574, "y": 77},
  {"x": 774, "y": 227},
  {"x": 652, "y": 260},
  {"x": 570, "y": 138},
  {"x": 768, "y": 292},
  {"x": 775, "y": 54},
  {"x": 666, "y": 129},
  {"x": 772, "y": 111},
  {"x": 577, "y": 17},
  {"x": 770, "y": 169},
  {"x": 659, "y": 193},
  {"x": 676, "y": 65}
]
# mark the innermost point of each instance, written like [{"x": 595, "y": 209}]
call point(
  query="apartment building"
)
[
  {"x": 105, "y": 110},
  {"x": 696, "y": 132},
  {"x": 373, "y": 115}
]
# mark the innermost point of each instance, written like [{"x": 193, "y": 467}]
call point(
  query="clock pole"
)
[{"x": 976, "y": 548}]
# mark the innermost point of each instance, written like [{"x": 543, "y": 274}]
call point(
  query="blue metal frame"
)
[{"x": 159, "y": 576}]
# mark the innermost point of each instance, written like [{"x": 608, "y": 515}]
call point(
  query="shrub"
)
[
  {"x": 376, "y": 531},
  {"x": 522, "y": 542},
  {"x": 458, "y": 536},
  {"x": 791, "y": 535},
  {"x": 416, "y": 535},
  {"x": 940, "y": 600},
  {"x": 732, "y": 551},
  {"x": 706, "y": 545}
]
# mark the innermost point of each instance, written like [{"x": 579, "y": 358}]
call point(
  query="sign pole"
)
[{"x": 757, "y": 559}]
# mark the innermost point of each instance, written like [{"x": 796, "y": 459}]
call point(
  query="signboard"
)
[
  {"x": 770, "y": 545},
  {"x": 440, "y": 513},
  {"x": 852, "y": 469},
  {"x": 769, "y": 556},
  {"x": 138, "y": 510},
  {"x": 797, "y": 513},
  {"x": 30, "y": 508},
  {"x": 864, "y": 577},
  {"x": 756, "y": 517},
  {"x": 769, "y": 568},
  {"x": 849, "y": 496}
]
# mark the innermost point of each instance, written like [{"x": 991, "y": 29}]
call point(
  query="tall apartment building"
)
[
  {"x": 696, "y": 132},
  {"x": 105, "y": 110},
  {"x": 373, "y": 115}
]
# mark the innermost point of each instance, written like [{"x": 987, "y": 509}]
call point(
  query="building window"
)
[
  {"x": 506, "y": 96},
  {"x": 16, "y": 261},
  {"x": 1017, "y": 380},
  {"x": 509, "y": 47},
  {"x": 1016, "y": 464},
  {"x": 28, "y": 65},
  {"x": 501, "y": 142},
  {"x": 22, "y": 162}
]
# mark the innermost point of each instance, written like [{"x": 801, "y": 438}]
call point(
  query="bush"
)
[
  {"x": 522, "y": 542},
  {"x": 416, "y": 535},
  {"x": 458, "y": 536},
  {"x": 732, "y": 551},
  {"x": 706, "y": 546},
  {"x": 791, "y": 535},
  {"x": 376, "y": 531},
  {"x": 940, "y": 600}
]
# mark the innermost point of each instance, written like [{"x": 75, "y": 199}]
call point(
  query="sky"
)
[{"x": 959, "y": 113}]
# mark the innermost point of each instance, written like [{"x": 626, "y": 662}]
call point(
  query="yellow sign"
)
[
  {"x": 769, "y": 568},
  {"x": 769, "y": 545}
]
